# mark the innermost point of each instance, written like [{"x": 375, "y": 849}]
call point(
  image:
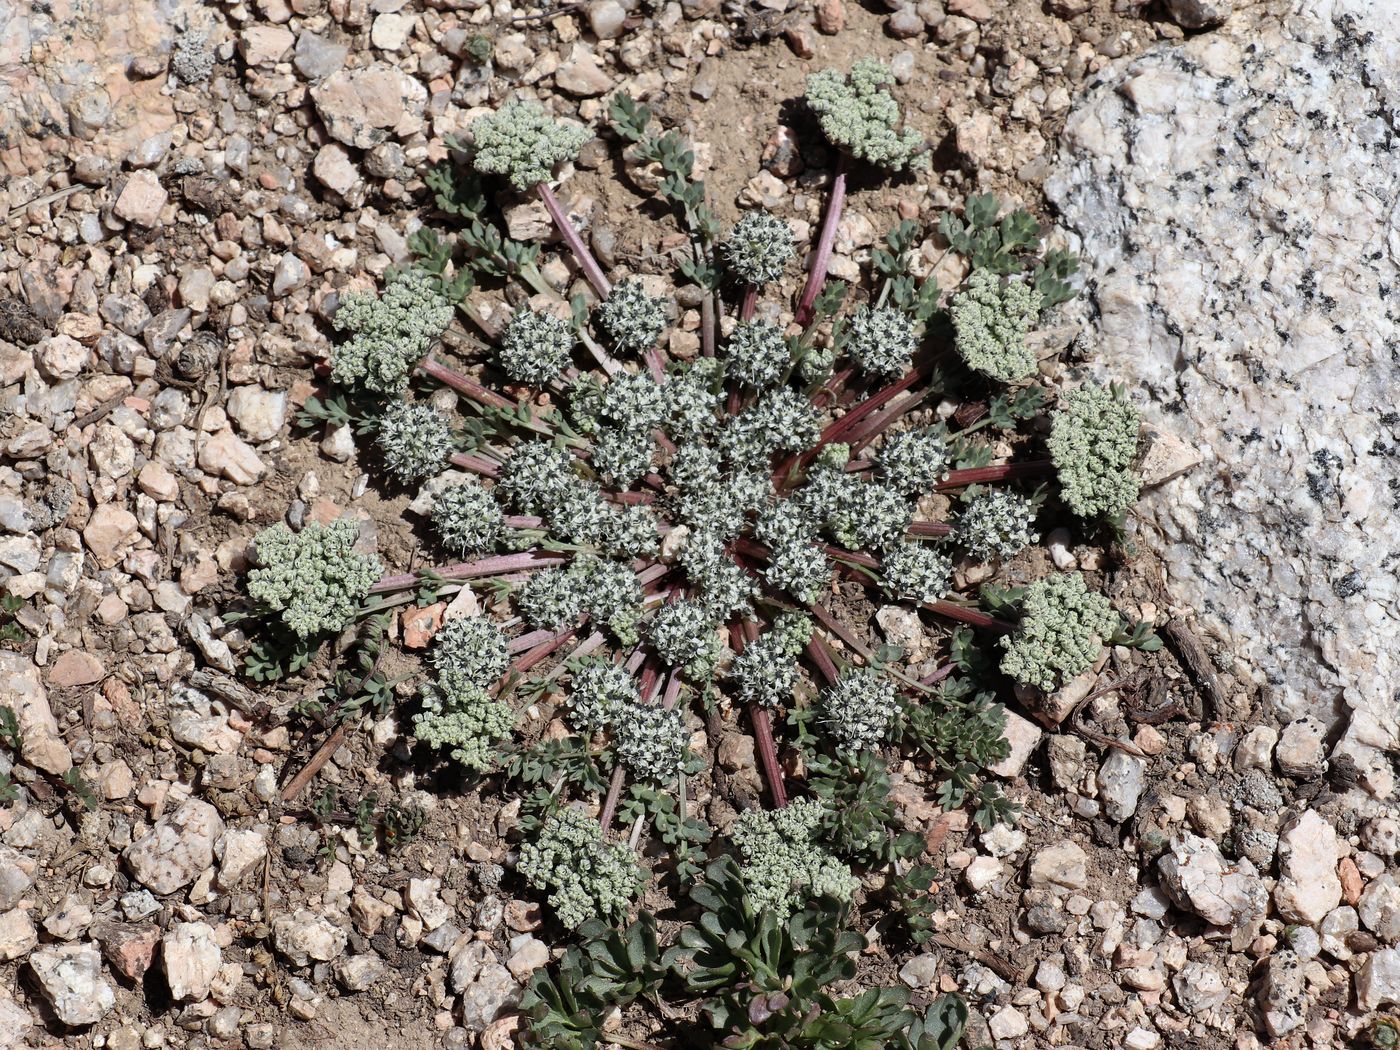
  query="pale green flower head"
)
[
  {"x": 1093, "y": 442},
  {"x": 859, "y": 708},
  {"x": 1063, "y": 625},
  {"x": 390, "y": 332},
  {"x": 522, "y": 142},
  {"x": 586, "y": 877},
  {"x": 415, "y": 440},
  {"x": 991, "y": 319},
  {"x": 314, "y": 578},
  {"x": 784, "y": 867},
  {"x": 859, "y": 115}
]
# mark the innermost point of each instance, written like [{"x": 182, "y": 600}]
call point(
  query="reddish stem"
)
[
  {"x": 497, "y": 565},
  {"x": 821, "y": 656},
  {"x": 466, "y": 387},
  {"x": 522, "y": 521},
  {"x": 873, "y": 427},
  {"x": 816, "y": 278},
  {"x": 475, "y": 464},
  {"x": 930, "y": 528},
  {"x": 974, "y": 617},
  {"x": 1034, "y": 468},
  {"x": 605, "y": 818},
  {"x": 591, "y": 270},
  {"x": 528, "y": 641},
  {"x": 749, "y": 303},
  {"x": 551, "y": 644},
  {"x": 739, "y": 634},
  {"x": 840, "y": 630},
  {"x": 938, "y": 675}
]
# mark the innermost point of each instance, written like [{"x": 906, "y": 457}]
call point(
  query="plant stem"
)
[
  {"x": 591, "y": 270},
  {"x": 532, "y": 276},
  {"x": 475, "y": 464},
  {"x": 749, "y": 303},
  {"x": 1034, "y": 468},
  {"x": 467, "y": 387},
  {"x": 930, "y": 528},
  {"x": 821, "y": 656},
  {"x": 497, "y": 565},
  {"x": 605, "y": 818},
  {"x": 741, "y": 634},
  {"x": 972, "y": 617},
  {"x": 552, "y": 643},
  {"x": 816, "y": 278}
]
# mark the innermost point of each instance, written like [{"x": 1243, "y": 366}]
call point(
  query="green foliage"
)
[
  {"x": 784, "y": 866},
  {"x": 79, "y": 789},
  {"x": 683, "y": 835},
  {"x": 1093, "y": 442},
  {"x": 277, "y": 655},
  {"x": 1139, "y": 636},
  {"x": 991, "y": 319},
  {"x": 585, "y": 876},
  {"x": 389, "y": 332},
  {"x": 917, "y": 299},
  {"x": 860, "y": 819},
  {"x": 333, "y": 410},
  {"x": 9, "y": 728},
  {"x": 679, "y": 186},
  {"x": 11, "y": 633},
  {"x": 998, "y": 247}
]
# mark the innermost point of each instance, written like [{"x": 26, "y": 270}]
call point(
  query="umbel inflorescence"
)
[{"x": 659, "y": 537}]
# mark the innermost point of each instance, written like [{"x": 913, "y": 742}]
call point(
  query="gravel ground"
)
[{"x": 190, "y": 190}]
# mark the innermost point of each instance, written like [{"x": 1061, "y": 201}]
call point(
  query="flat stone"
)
[
  {"x": 305, "y": 936},
  {"x": 257, "y": 413},
  {"x": 1308, "y": 885},
  {"x": 180, "y": 846},
  {"x": 363, "y": 107},
  {"x": 192, "y": 960},
  {"x": 1063, "y": 866},
  {"x": 1197, "y": 877},
  {"x": 265, "y": 45},
  {"x": 141, "y": 199},
  {"x": 240, "y": 852},
  {"x": 62, "y": 357},
  {"x": 22, "y": 691},
  {"x": 1378, "y": 980},
  {"x": 335, "y": 169},
  {"x": 318, "y": 56},
  {"x": 76, "y": 667},
  {"x": 70, "y": 978},
  {"x": 358, "y": 973},
  {"x": 108, "y": 532},
  {"x": 17, "y": 934},
  {"x": 1024, "y": 737},
  {"x": 1379, "y": 908},
  {"x": 492, "y": 993},
  {"x": 128, "y": 948},
  {"x": 581, "y": 76},
  {"x": 224, "y": 454}
]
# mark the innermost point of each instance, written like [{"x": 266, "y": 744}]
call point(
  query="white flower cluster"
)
[
  {"x": 881, "y": 340},
  {"x": 467, "y": 518},
  {"x": 600, "y": 689},
  {"x": 314, "y": 578},
  {"x": 759, "y": 247},
  {"x": 607, "y": 590},
  {"x": 996, "y": 524},
  {"x": 722, "y": 587},
  {"x": 390, "y": 332},
  {"x": 917, "y": 571},
  {"x": 756, "y": 354},
  {"x": 458, "y": 713},
  {"x": 652, "y": 742},
  {"x": 470, "y": 650},
  {"x": 860, "y": 515},
  {"x": 634, "y": 319},
  {"x": 522, "y": 142},
  {"x": 683, "y": 634},
  {"x": 766, "y": 671},
  {"x": 795, "y": 563},
  {"x": 782, "y": 420},
  {"x": 414, "y": 440},
  {"x": 914, "y": 461},
  {"x": 535, "y": 347},
  {"x": 784, "y": 867},
  {"x": 859, "y": 708},
  {"x": 539, "y": 478}
]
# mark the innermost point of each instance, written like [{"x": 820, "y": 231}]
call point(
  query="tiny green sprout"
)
[
  {"x": 415, "y": 440},
  {"x": 314, "y": 578},
  {"x": 1093, "y": 442},
  {"x": 1063, "y": 627},
  {"x": 522, "y": 142},
  {"x": 991, "y": 319},
  {"x": 859, "y": 115},
  {"x": 759, "y": 248},
  {"x": 634, "y": 319}
]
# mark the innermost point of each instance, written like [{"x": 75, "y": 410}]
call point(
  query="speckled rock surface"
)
[{"x": 1236, "y": 199}]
